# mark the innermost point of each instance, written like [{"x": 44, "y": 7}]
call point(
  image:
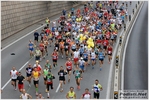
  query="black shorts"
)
[
  {"x": 54, "y": 60},
  {"x": 28, "y": 75},
  {"x": 44, "y": 79},
  {"x": 45, "y": 47},
  {"x": 68, "y": 70},
  {"x": 14, "y": 80},
  {"x": 37, "y": 58},
  {"x": 73, "y": 50},
  {"x": 36, "y": 82},
  {"x": 36, "y": 38},
  {"x": 105, "y": 47},
  {"x": 85, "y": 60},
  {"x": 81, "y": 55},
  {"x": 62, "y": 79},
  {"x": 112, "y": 39},
  {"x": 96, "y": 95},
  {"x": 66, "y": 50},
  {"x": 100, "y": 59},
  {"x": 110, "y": 54}
]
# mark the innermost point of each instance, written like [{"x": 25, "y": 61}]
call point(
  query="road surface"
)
[
  {"x": 136, "y": 59},
  {"x": 21, "y": 58}
]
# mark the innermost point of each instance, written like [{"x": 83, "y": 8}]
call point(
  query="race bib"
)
[
  {"x": 68, "y": 67},
  {"x": 66, "y": 46},
  {"x": 109, "y": 52},
  {"x": 56, "y": 48},
  {"x": 30, "y": 46},
  {"x": 61, "y": 74},
  {"x": 49, "y": 80}
]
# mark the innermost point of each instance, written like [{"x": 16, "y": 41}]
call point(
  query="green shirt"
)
[{"x": 45, "y": 72}]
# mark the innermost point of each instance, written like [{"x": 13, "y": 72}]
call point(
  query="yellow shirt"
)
[{"x": 71, "y": 95}]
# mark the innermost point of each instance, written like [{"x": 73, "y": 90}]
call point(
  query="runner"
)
[
  {"x": 29, "y": 70},
  {"x": 14, "y": 75},
  {"x": 96, "y": 88},
  {"x": 66, "y": 46},
  {"x": 110, "y": 52},
  {"x": 69, "y": 67},
  {"x": 25, "y": 95},
  {"x": 42, "y": 49},
  {"x": 62, "y": 48},
  {"x": 76, "y": 57},
  {"x": 71, "y": 94},
  {"x": 93, "y": 58},
  {"x": 48, "y": 65},
  {"x": 37, "y": 54},
  {"x": 78, "y": 73},
  {"x": 35, "y": 75},
  {"x": 49, "y": 82},
  {"x": 56, "y": 46},
  {"x": 81, "y": 64},
  {"x": 42, "y": 34},
  {"x": 36, "y": 35},
  {"x": 101, "y": 58},
  {"x": 45, "y": 73},
  {"x": 62, "y": 74},
  {"x": 105, "y": 44},
  {"x": 85, "y": 58},
  {"x": 86, "y": 95},
  {"x": 40, "y": 96},
  {"x": 31, "y": 48},
  {"x": 20, "y": 80},
  {"x": 46, "y": 47},
  {"x": 55, "y": 58},
  {"x": 47, "y": 22}
]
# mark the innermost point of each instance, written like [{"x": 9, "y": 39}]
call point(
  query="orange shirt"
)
[{"x": 61, "y": 44}]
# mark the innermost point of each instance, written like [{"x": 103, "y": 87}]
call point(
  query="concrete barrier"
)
[{"x": 120, "y": 49}]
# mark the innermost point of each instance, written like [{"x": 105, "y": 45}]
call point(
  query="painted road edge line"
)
[
  {"x": 18, "y": 70},
  {"x": 57, "y": 88},
  {"x": 125, "y": 47}
]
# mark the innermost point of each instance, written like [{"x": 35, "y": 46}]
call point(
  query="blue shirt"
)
[{"x": 101, "y": 55}]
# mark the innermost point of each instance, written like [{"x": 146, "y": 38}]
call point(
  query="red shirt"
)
[
  {"x": 109, "y": 50},
  {"x": 69, "y": 65},
  {"x": 105, "y": 42},
  {"x": 48, "y": 31},
  {"x": 55, "y": 57},
  {"x": 86, "y": 95},
  {"x": 99, "y": 41}
]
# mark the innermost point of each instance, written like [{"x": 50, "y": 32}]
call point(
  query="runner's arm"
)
[
  {"x": 67, "y": 95},
  {"x": 75, "y": 96},
  {"x": 29, "y": 96}
]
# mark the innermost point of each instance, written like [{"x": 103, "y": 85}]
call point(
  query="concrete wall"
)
[{"x": 17, "y": 15}]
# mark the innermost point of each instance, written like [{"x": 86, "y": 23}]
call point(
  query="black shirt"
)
[
  {"x": 62, "y": 73},
  {"x": 36, "y": 34},
  {"x": 66, "y": 44},
  {"x": 20, "y": 79},
  {"x": 29, "y": 70}
]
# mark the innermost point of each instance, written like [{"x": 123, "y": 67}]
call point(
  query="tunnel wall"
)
[{"x": 17, "y": 15}]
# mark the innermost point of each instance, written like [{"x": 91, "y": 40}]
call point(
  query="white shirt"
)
[
  {"x": 56, "y": 33},
  {"x": 36, "y": 65},
  {"x": 76, "y": 54},
  {"x": 81, "y": 62},
  {"x": 93, "y": 55},
  {"x": 24, "y": 96},
  {"x": 14, "y": 74}
]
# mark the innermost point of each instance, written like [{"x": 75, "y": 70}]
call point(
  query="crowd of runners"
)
[{"x": 82, "y": 37}]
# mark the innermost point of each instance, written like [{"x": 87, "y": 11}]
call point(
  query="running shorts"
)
[
  {"x": 28, "y": 75},
  {"x": 101, "y": 59},
  {"x": 31, "y": 49},
  {"x": 36, "y": 38},
  {"x": 36, "y": 82},
  {"x": 68, "y": 70},
  {"x": 85, "y": 60},
  {"x": 96, "y": 95},
  {"x": 20, "y": 86},
  {"x": 61, "y": 78},
  {"x": 14, "y": 80},
  {"x": 37, "y": 58},
  {"x": 66, "y": 50},
  {"x": 105, "y": 47},
  {"x": 55, "y": 60},
  {"x": 76, "y": 59},
  {"x": 82, "y": 67}
]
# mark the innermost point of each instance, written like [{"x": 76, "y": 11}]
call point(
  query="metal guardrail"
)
[{"x": 120, "y": 50}]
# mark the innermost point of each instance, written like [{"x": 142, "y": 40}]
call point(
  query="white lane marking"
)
[
  {"x": 127, "y": 40},
  {"x": 57, "y": 88},
  {"x": 24, "y": 36},
  {"x": 18, "y": 70}
]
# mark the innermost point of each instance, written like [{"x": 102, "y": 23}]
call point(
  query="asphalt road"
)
[
  {"x": 136, "y": 59},
  {"x": 21, "y": 57}
]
